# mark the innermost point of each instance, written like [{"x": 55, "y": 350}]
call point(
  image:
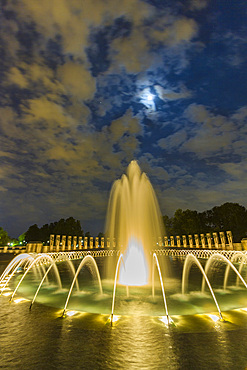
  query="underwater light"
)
[
  {"x": 18, "y": 300},
  {"x": 70, "y": 313},
  {"x": 167, "y": 320},
  {"x": 7, "y": 294},
  {"x": 215, "y": 318},
  {"x": 6, "y": 288},
  {"x": 114, "y": 318}
]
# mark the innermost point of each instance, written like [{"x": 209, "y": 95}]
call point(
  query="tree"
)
[
  {"x": 228, "y": 216},
  {"x": 4, "y": 237},
  {"x": 33, "y": 233},
  {"x": 70, "y": 226},
  {"x": 22, "y": 238},
  {"x": 168, "y": 225},
  {"x": 186, "y": 222}
]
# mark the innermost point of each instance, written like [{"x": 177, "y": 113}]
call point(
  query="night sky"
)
[{"x": 89, "y": 85}]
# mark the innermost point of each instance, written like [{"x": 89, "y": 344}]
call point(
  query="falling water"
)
[{"x": 134, "y": 221}]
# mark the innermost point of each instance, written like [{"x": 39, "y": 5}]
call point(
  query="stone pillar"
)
[
  {"x": 74, "y": 242},
  {"x": 229, "y": 238},
  {"x": 197, "y": 241},
  {"x": 91, "y": 242},
  {"x": 243, "y": 243},
  {"x": 108, "y": 242},
  {"x": 57, "y": 243},
  {"x": 178, "y": 241},
  {"x": 216, "y": 241},
  {"x": 166, "y": 241},
  {"x": 85, "y": 242},
  {"x": 203, "y": 241},
  {"x": 80, "y": 242},
  {"x": 184, "y": 241},
  {"x": 223, "y": 240},
  {"x": 39, "y": 247},
  {"x": 209, "y": 240},
  {"x": 45, "y": 249},
  {"x": 28, "y": 248},
  {"x": 96, "y": 242},
  {"x": 190, "y": 241},
  {"x": 172, "y": 241},
  {"x": 51, "y": 243},
  {"x": 5, "y": 249},
  {"x": 160, "y": 242},
  {"x": 69, "y": 243},
  {"x": 63, "y": 242},
  {"x": 114, "y": 243},
  {"x": 102, "y": 242}
]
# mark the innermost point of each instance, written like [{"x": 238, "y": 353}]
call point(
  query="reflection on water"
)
[
  {"x": 31, "y": 340},
  {"x": 40, "y": 338}
]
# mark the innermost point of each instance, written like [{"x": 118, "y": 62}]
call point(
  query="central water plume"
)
[{"x": 134, "y": 224}]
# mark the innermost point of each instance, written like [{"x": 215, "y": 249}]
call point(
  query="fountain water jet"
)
[
  {"x": 7, "y": 276},
  {"x": 115, "y": 285},
  {"x": 36, "y": 260},
  {"x": 155, "y": 259},
  {"x": 134, "y": 221},
  {"x": 87, "y": 259},
  {"x": 189, "y": 260},
  {"x": 234, "y": 258},
  {"x": 218, "y": 257}
]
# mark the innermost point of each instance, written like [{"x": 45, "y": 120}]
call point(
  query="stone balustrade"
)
[{"x": 61, "y": 243}]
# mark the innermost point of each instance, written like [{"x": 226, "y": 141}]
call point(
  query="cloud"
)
[
  {"x": 170, "y": 94},
  {"x": 77, "y": 81},
  {"x": 198, "y": 4},
  {"x": 207, "y": 134},
  {"x": 179, "y": 30}
]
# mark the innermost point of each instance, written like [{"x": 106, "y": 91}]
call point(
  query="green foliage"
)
[
  {"x": 70, "y": 226},
  {"x": 228, "y": 216},
  {"x": 4, "y": 237},
  {"x": 22, "y": 238}
]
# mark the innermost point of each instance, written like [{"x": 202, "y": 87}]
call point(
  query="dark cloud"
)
[{"x": 87, "y": 87}]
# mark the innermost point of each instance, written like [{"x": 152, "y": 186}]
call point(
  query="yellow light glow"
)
[
  {"x": 134, "y": 271},
  {"x": 70, "y": 313},
  {"x": 114, "y": 318},
  {"x": 215, "y": 318},
  {"x": 165, "y": 320},
  {"x": 7, "y": 294},
  {"x": 18, "y": 300},
  {"x": 244, "y": 309},
  {"x": 2, "y": 289}
]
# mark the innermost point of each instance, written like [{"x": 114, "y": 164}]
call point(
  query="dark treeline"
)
[
  {"x": 70, "y": 226},
  {"x": 228, "y": 216}
]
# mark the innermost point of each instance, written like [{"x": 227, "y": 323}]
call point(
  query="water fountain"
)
[
  {"x": 136, "y": 280},
  {"x": 168, "y": 312}
]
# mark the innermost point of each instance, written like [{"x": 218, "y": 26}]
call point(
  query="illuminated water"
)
[
  {"x": 106, "y": 325},
  {"x": 134, "y": 224},
  {"x": 138, "y": 340}
]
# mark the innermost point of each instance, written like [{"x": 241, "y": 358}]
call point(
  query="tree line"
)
[{"x": 228, "y": 216}]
